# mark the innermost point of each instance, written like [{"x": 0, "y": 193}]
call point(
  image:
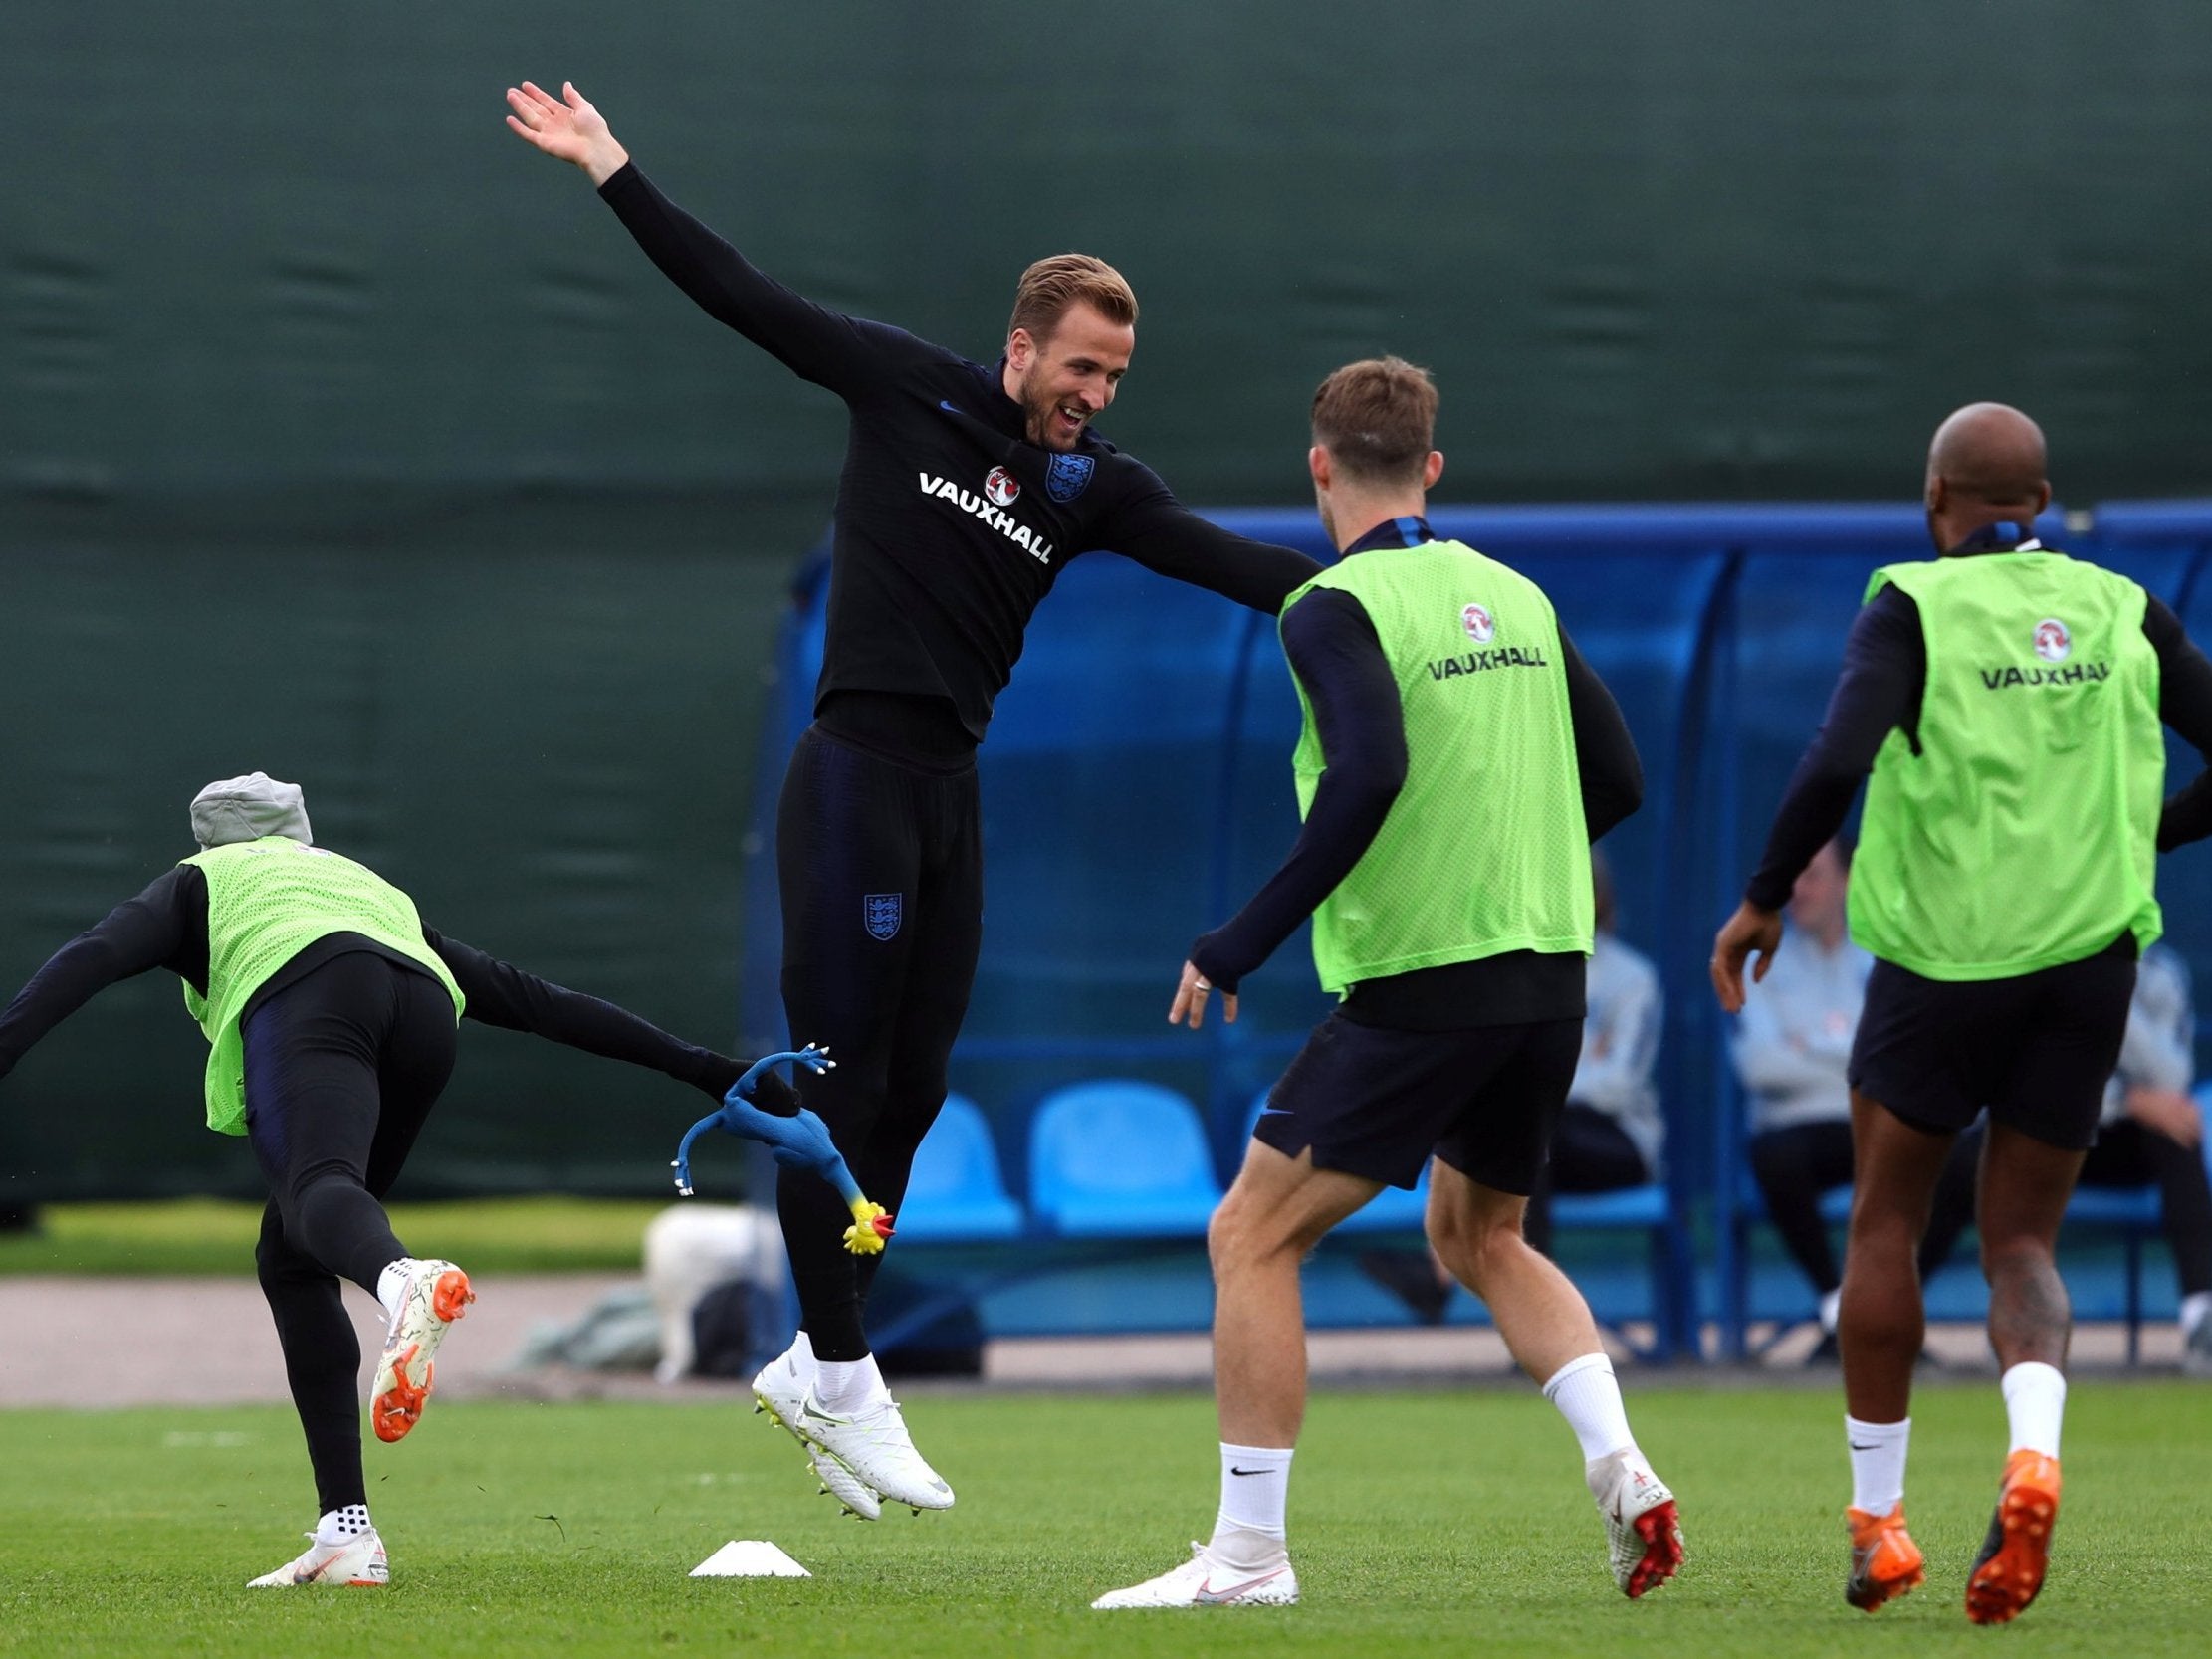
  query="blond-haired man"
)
[{"x": 966, "y": 487}]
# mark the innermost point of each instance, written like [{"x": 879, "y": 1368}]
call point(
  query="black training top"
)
[
  {"x": 1884, "y": 675},
  {"x": 166, "y": 927},
  {"x": 1332, "y": 644},
  {"x": 950, "y": 525}
]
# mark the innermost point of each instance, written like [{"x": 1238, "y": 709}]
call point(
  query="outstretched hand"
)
[
  {"x": 566, "y": 128},
  {"x": 1749, "y": 931}
]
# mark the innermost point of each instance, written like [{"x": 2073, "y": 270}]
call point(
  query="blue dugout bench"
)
[{"x": 1136, "y": 786}]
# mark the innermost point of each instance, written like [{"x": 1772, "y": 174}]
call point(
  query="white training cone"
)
[{"x": 750, "y": 1558}]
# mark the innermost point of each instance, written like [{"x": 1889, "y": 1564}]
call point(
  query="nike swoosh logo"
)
[
  {"x": 1232, "y": 1469},
  {"x": 1208, "y": 1594},
  {"x": 1274, "y": 1112},
  {"x": 950, "y": 408},
  {"x": 1856, "y": 1447}
]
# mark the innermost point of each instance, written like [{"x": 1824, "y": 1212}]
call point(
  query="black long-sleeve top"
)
[
  {"x": 166, "y": 927},
  {"x": 950, "y": 526},
  {"x": 1339, "y": 660},
  {"x": 1885, "y": 677}
]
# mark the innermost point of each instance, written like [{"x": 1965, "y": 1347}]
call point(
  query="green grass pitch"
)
[{"x": 1423, "y": 1522}]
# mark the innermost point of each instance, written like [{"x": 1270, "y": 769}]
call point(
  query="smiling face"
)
[{"x": 1064, "y": 380}]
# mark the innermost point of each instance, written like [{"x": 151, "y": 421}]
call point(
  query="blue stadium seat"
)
[
  {"x": 1626, "y": 1207},
  {"x": 955, "y": 1193},
  {"x": 2135, "y": 1213},
  {"x": 1648, "y": 1209},
  {"x": 1120, "y": 1160}
]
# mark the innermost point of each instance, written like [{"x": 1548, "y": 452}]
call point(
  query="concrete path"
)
[{"x": 101, "y": 1341}]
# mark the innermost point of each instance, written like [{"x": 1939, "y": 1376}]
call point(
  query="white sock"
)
[
  {"x": 391, "y": 1284},
  {"x": 1255, "y": 1492},
  {"x": 344, "y": 1526},
  {"x": 2196, "y": 1307},
  {"x": 1831, "y": 1305},
  {"x": 847, "y": 1386},
  {"x": 1588, "y": 1395},
  {"x": 1876, "y": 1463},
  {"x": 801, "y": 1356},
  {"x": 2034, "y": 1404}
]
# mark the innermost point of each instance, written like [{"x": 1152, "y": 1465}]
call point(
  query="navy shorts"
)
[
  {"x": 2037, "y": 1049},
  {"x": 1375, "y": 1102}
]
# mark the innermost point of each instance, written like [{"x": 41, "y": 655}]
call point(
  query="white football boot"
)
[
  {"x": 781, "y": 1391},
  {"x": 1202, "y": 1581},
  {"x": 1644, "y": 1533},
  {"x": 873, "y": 1446},
  {"x": 357, "y": 1563},
  {"x": 433, "y": 1296}
]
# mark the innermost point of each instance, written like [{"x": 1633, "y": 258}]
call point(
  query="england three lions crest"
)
[
  {"x": 882, "y": 913},
  {"x": 1068, "y": 475}
]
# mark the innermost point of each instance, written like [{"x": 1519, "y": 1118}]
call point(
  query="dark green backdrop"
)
[{"x": 341, "y": 436}]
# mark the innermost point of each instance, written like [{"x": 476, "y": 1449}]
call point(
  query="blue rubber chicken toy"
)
[{"x": 798, "y": 1142}]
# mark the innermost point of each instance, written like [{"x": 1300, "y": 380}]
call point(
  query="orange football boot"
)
[
  {"x": 2009, "y": 1571},
  {"x": 436, "y": 1294},
  {"x": 1884, "y": 1562}
]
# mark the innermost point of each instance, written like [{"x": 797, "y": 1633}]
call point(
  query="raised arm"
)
[
  {"x": 839, "y": 352},
  {"x": 568, "y": 128},
  {"x": 163, "y": 926},
  {"x": 1167, "y": 538},
  {"x": 498, "y": 993}
]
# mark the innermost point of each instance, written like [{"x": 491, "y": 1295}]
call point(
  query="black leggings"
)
[
  {"x": 341, "y": 1066},
  {"x": 2127, "y": 1154},
  {"x": 880, "y": 868},
  {"x": 1796, "y": 1164}
]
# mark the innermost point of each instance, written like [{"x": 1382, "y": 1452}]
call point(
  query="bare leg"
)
[
  {"x": 2024, "y": 1189},
  {"x": 1476, "y": 1232},
  {"x": 1277, "y": 1209},
  {"x": 1882, "y": 1322}
]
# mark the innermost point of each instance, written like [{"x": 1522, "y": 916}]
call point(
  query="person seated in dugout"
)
[
  {"x": 1610, "y": 1134},
  {"x": 2152, "y": 1130},
  {"x": 1791, "y": 1049}
]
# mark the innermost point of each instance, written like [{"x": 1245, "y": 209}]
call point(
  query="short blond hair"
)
[
  {"x": 1377, "y": 419},
  {"x": 1049, "y": 287}
]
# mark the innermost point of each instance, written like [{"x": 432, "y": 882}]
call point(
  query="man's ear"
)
[
  {"x": 1319, "y": 463},
  {"x": 1432, "y": 469},
  {"x": 1937, "y": 496},
  {"x": 1021, "y": 350}
]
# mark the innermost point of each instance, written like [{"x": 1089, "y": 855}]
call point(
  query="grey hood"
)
[{"x": 248, "y": 808}]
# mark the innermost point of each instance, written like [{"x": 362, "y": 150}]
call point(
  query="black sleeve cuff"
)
[{"x": 1215, "y": 956}]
